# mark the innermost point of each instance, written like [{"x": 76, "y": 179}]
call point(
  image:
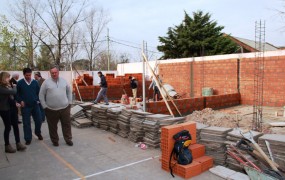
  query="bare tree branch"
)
[{"x": 96, "y": 21}]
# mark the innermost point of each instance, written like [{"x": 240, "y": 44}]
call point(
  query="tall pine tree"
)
[{"x": 197, "y": 36}]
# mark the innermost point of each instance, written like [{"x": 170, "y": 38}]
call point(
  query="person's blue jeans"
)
[
  {"x": 43, "y": 115},
  {"x": 102, "y": 93},
  {"x": 27, "y": 112}
]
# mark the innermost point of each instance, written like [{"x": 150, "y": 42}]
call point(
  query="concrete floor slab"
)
[{"x": 98, "y": 153}]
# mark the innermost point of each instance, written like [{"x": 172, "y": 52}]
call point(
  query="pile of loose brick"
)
[{"x": 116, "y": 87}]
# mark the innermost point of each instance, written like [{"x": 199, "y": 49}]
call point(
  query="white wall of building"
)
[{"x": 137, "y": 67}]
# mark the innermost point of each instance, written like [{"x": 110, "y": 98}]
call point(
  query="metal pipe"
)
[{"x": 143, "y": 83}]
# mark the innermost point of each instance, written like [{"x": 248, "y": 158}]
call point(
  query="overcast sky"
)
[{"x": 134, "y": 21}]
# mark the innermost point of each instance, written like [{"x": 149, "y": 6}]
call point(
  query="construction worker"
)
[
  {"x": 103, "y": 90},
  {"x": 153, "y": 85},
  {"x": 134, "y": 86}
]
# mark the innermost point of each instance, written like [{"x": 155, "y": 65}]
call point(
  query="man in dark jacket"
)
[
  {"x": 28, "y": 96},
  {"x": 103, "y": 90},
  {"x": 134, "y": 86}
]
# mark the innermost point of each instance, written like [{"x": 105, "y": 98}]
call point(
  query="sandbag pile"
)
[
  {"x": 136, "y": 126},
  {"x": 124, "y": 123}
]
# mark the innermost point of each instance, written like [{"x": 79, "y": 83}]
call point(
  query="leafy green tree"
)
[
  {"x": 195, "y": 36},
  {"x": 7, "y": 47},
  {"x": 45, "y": 59}
]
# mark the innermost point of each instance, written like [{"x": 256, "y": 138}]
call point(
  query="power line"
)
[
  {"x": 131, "y": 42},
  {"x": 112, "y": 39},
  {"x": 135, "y": 47}
]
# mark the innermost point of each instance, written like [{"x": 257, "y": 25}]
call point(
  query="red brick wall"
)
[
  {"x": 178, "y": 76},
  {"x": 188, "y": 105},
  {"x": 222, "y": 76},
  {"x": 273, "y": 84},
  {"x": 116, "y": 87}
]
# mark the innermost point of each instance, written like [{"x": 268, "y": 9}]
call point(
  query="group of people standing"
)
[{"x": 42, "y": 99}]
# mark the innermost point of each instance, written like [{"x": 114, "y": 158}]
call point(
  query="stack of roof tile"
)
[
  {"x": 136, "y": 126},
  {"x": 82, "y": 122},
  {"x": 199, "y": 127},
  {"x": 78, "y": 117},
  {"x": 76, "y": 112},
  {"x": 86, "y": 106},
  {"x": 214, "y": 139},
  {"x": 113, "y": 114},
  {"x": 277, "y": 146},
  {"x": 151, "y": 127},
  {"x": 99, "y": 113},
  {"x": 124, "y": 123}
]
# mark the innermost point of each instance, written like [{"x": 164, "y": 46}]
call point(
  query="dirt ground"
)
[{"x": 239, "y": 116}]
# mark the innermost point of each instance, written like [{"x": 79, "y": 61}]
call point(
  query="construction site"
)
[
  {"x": 232, "y": 105},
  {"x": 226, "y": 112},
  {"x": 150, "y": 90}
]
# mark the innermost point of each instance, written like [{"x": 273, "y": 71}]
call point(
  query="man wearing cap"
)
[{"x": 38, "y": 77}]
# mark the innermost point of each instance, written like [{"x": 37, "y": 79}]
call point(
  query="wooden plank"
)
[{"x": 157, "y": 82}]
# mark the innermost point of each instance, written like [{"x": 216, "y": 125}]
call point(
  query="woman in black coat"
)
[{"x": 6, "y": 103}]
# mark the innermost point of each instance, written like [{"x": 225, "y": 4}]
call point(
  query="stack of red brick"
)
[
  {"x": 116, "y": 87},
  {"x": 87, "y": 78},
  {"x": 200, "y": 162}
]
